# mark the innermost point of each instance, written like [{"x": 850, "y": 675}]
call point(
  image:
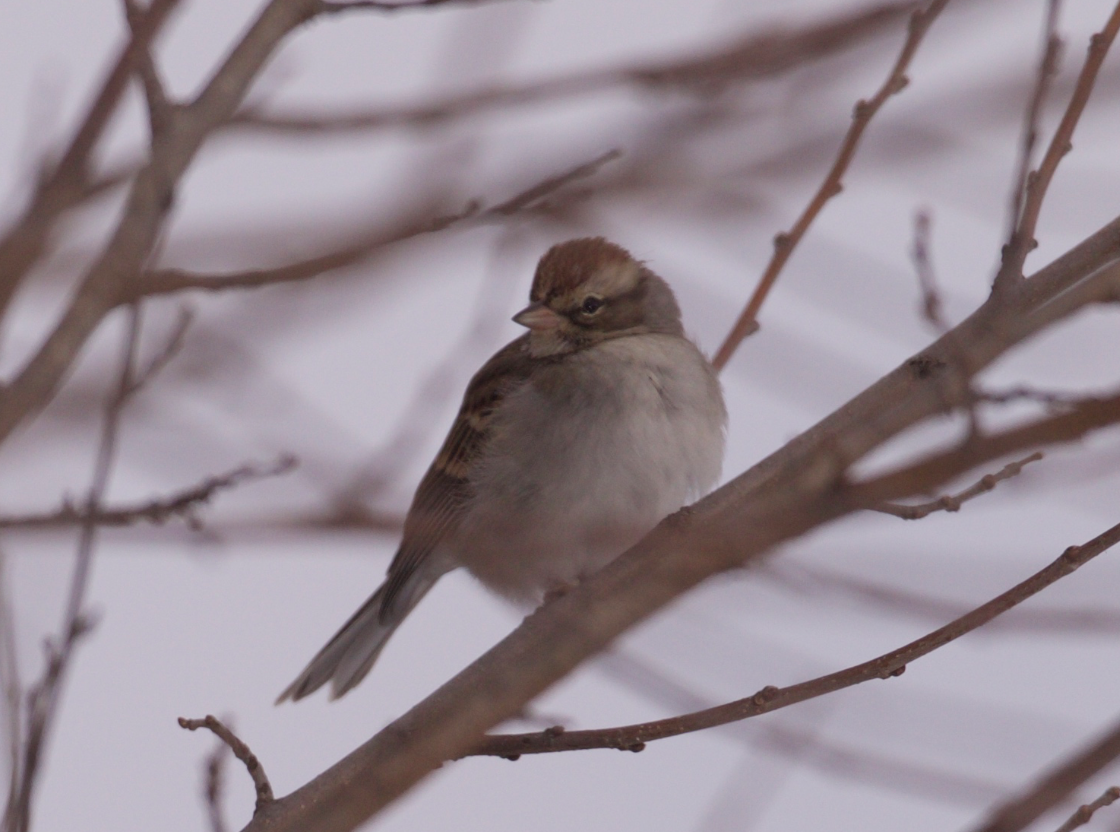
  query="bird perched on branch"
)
[{"x": 572, "y": 442}]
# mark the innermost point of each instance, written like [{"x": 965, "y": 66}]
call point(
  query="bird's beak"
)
[{"x": 537, "y": 317}]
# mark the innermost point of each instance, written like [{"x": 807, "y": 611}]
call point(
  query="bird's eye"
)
[{"x": 591, "y": 305}]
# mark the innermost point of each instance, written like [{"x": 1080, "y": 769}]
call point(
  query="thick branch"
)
[
  {"x": 796, "y": 489},
  {"x": 635, "y": 737}
]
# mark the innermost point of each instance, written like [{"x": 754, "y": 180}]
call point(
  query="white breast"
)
[{"x": 586, "y": 457}]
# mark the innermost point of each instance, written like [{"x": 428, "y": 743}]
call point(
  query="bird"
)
[{"x": 572, "y": 442}]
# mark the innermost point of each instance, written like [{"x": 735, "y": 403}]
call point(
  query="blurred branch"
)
[
  {"x": 750, "y": 56},
  {"x": 167, "y": 281},
  {"x": 786, "y": 242},
  {"x": 181, "y": 504},
  {"x": 1085, "y": 813},
  {"x": 770, "y": 698},
  {"x": 1056, "y": 786},
  {"x": 12, "y": 708},
  {"x": 110, "y": 280},
  {"x": 43, "y": 697},
  {"x": 1010, "y": 274},
  {"x": 326, "y": 7},
  {"x": 160, "y": 109},
  {"x": 215, "y": 773},
  {"x": 953, "y": 502},
  {"x": 241, "y": 751},
  {"x": 68, "y": 182},
  {"x": 813, "y": 581}
]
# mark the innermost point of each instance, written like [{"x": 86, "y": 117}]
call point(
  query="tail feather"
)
[{"x": 348, "y": 657}]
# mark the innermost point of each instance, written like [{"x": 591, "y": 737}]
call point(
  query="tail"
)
[{"x": 348, "y": 657}]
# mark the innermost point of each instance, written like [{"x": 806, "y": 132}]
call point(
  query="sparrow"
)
[{"x": 572, "y": 442}]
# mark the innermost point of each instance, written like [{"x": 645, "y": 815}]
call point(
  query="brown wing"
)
[{"x": 445, "y": 488}]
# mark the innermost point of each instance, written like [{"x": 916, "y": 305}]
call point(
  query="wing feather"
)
[{"x": 445, "y": 489}]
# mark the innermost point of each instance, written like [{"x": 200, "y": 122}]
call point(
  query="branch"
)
[
  {"x": 1085, "y": 813},
  {"x": 953, "y": 502},
  {"x": 67, "y": 182},
  {"x": 886, "y": 666},
  {"x": 240, "y": 751},
  {"x": 1047, "y": 68},
  {"x": 1055, "y": 787},
  {"x": 167, "y": 281},
  {"x": 1022, "y": 240},
  {"x": 798, "y": 488},
  {"x": 160, "y": 109},
  {"x": 158, "y": 511},
  {"x": 107, "y": 282},
  {"x": 786, "y": 242},
  {"x": 751, "y": 55},
  {"x": 325, "y": 7},
  {"x": 43, "y": 698}
]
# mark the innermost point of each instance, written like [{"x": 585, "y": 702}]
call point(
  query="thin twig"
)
[
  {"x": 927, "y": 278},
  {"x": 1055, "y": 786},
  {"x": 953, "y": 502},
  {"x": 1085, "y": 813},
  {"x": 157, "y": 511},
  {"x": 13, "y": 698},
  {"x": 635, "y": 737},
  {"x": 240, "y": 751},
  {"x": 1010, "y": 274},
  {"x": 786, "y": 242},
  {"x": 167, "y": 352},
  {"x": 1047, "y": 68},
  {"x": 43, "y": 698}
]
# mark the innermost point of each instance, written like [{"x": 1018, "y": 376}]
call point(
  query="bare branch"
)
[
  {"x": 67, "y": 182},
  {"x": 751, "y": 55},
  {"x": 786, "y": 242},
  {"x": 1055, "y": 786},
  {"x": 1047, "y": 68},
  {"x": 169, "y": 350},
  {"x": 953, "y": 502},
  {"x": 923, "y": 265},
  {"x": 158, "y": 511},
  {"x": 43, "y": 698},
  {"x": 215, "y": 772},
  {"x": 167, "y": 281},
  {"x": 241, "y": 751},
  {"x": 797, "y": 488},
  {"x": 1022, "y": 240},
  {"x": 160, "y": 109},
  {"x": 326, "y": 7},
  {"x": 635, "y": 737},
  {"x": 1085, "y": 813}
]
